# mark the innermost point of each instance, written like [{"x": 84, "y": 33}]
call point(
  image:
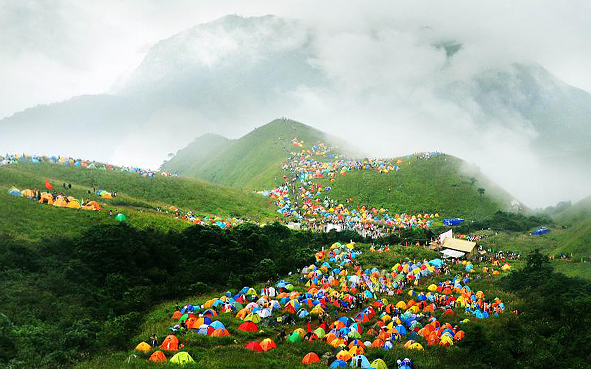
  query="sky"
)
[
  {"x": 51, "y": 50},
  {"x": 55, "y": 49}
]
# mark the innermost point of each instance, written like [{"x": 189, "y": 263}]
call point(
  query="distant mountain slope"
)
[
  {"x": 189, "y": 160},
  {"x": 252, "y": 161},
  {"x": 135, "y": 194},
  {"x": 442, "y": 184},
  {"x": 581, "y": 210}
]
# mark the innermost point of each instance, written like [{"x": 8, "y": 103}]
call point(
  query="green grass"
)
[
  {"x": 138, "y": 197},
  {"x": 229, "y": 352},
  {"x": 440, "y": 184},
  {"x": 251, "y": 162},
  {"x": 573, "y": 268}
]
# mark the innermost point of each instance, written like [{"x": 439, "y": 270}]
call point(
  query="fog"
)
[{"x": 386, "y": 88}]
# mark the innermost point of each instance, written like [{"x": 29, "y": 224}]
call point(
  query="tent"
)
[
  {"x": 143, "y": 347},
  {"x": 360, "y": 361},
  {"x": 311, "y": 358},
  {"x": 268, "y": 344},
  {"x": 248, "y": 327},
  {"x": 60, "y": 202},
  {"x": 121, "y": 217},
  {"x": 338, "y": 363},
  {"x": 379, "y": 364},
  {"x": 14, "y": 192},
  {"x": 28, "y": 193},
  {"x": 182, "y": 358},
  {"x": 170, "y": 343},
  {"x": 540, "y": 231},
  {"x": 157, "y": 356},
  {"x": 254, "y": 346},
  {"x": 453, "y": 222}
]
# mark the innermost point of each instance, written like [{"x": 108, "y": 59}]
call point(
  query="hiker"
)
[
  {"x": 177, "y": 307},
  {"x": 154, "y": 340},
  {"x": 69, "y": 186},
  {"x": 282, "y": 335}
]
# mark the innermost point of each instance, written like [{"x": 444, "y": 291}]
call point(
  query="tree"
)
[{"x": 481, "y": 191}]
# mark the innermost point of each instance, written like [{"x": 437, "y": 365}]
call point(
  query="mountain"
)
[
  {"x": 442, "y": 183},
  {"x": 252, "y": 161},
  {"x": 228, "y": 75}
]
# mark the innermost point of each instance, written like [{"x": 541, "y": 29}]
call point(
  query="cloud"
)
[{"x": 388, "y": 87}]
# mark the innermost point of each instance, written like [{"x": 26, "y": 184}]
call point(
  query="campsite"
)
[
  {"x": 351, "y": 283},
  {"x": 295, "y": 184}
]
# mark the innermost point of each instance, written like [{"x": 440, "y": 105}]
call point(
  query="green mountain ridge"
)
[
  {"x": 252, "y": 162},
  {"x": 441, "y": 184}
]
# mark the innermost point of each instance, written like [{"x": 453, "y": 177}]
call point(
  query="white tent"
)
[{"x": 447, "y": 253}]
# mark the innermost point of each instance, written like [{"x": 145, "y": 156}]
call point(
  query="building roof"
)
[{"x": 459, "y": 245}]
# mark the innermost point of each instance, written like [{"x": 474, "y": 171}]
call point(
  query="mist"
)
[{"x": 379, "y": 77}]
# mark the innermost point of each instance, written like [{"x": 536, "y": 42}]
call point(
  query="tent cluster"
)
[
  {"x": 191, "y": 217},
  {"x": 314, "y": 209},
  {"x": 171, "y": 343},
  {"x": 15, "y": 159},
  {"x": 320, "y": 162},
  {"x": 59, "y": 201},
  {"x": 337, "y": 283},
  {"x": 204, "y": 324}
]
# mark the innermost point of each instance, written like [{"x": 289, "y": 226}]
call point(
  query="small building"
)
[{"x": 468, "y": 248}]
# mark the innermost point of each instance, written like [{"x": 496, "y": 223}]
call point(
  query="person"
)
[
  {"x": 110, "y": 212},
  {"x": 359, "y": 361},
  {"x": 177, "y": 307},
  {"x": 154, "y": 340},
  {"x": 69, "y": 186},
  {"x": 282, "y": 335}
]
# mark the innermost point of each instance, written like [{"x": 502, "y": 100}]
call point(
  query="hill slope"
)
[
  {"x": 252, "y": 161},
  {"x": 137, "y": 195},
  {"x": 441, "y": 183}
]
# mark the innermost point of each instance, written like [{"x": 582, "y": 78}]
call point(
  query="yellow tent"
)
[
  {"x": 27, "y": 193},
  {"x": 143, "y": 347},
  {"x": 182, "y": 358},
  {"x": 74, "y": 205}
]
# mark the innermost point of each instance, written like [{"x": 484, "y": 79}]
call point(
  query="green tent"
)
[
  {"x": 121, "y": 217},
  {"x": 294, "y": 337},
  {"x": 182, "y": 358}
]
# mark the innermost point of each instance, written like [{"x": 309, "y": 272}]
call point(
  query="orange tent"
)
[
  {"x": 268, "y": 344},
  {"x": 220, "y": 332},
  {"x": 177, "y": 315},
  {"x": 170, "y": 343},
  {"x": 310, "y": 358},
  {"x": 157, "y": 356}
]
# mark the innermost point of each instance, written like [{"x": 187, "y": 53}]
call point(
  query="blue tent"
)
[
  {"x": 540, "y": 231},
  {"x": 453, "y": 222}
]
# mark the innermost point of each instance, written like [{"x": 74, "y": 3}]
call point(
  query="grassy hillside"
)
[
  {"x": 138, "y": 196},
  {"x": 197, "y": 154},
  {"x": 252, "y": 161},
  {"x": 440, "y": 184}
]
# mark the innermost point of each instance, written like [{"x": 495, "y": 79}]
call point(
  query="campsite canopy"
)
[
  {"x": 540, "y": 231},
  {"x": 182, "y": 358}
]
